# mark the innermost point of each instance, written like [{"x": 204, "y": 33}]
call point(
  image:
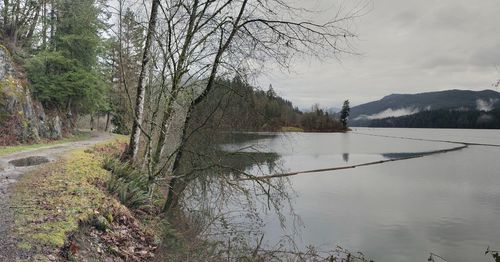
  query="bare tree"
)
[
  {"x": 203, "y": 40},
  {"x": 191, "y": 44},
  {"x": 20, "y": 20},
  {"x": 198, "y": 41},
  {"x": 133, "y": 148}
]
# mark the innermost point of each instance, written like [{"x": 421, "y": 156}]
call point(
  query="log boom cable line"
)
[
  {"x": 417, "y": 155},
  {"x": 462, "y": 145},
  {"x": 430, "y": 140}
]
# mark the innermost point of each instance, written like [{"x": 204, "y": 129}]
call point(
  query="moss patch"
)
[{"x": 67, "y": 192}]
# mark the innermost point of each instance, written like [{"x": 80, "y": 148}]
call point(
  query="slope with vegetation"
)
[
  {"x": 449, "y": 99},
  {"x": 72, "y": 216},
  {"x": 52, "y": 67},
  {"x": 444, "y": 119},
  {"x": 172, "y": 75},
  {"x": 237, "y": 106}
]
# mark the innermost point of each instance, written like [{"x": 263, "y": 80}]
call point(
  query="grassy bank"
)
[
  {"x": 5, "y": 150},
  {"x": 291, "y": 129},
  {"x": 70, "y": 200}
]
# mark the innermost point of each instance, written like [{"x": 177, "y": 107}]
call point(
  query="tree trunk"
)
[
  {"x": 44, "y": 26},
  {"x": 107, "y": 122},
  {"x": 133, "y": 148},
  {"x": 34, "y": 23},
  {"x": 163, "y": 133},
  {"x": 91, "y": 122},
  {"x": 5, "y": 14},
  {"x": 176, "y": 186},
  {"x": 175, "y": 191},
  {"x": 52, "y": 25}
]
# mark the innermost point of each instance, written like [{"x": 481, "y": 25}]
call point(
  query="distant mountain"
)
[
  {"x": 443, "y": 118},
  {"x": 398, "y": 105},
  {"x": 333, "y": 110}
]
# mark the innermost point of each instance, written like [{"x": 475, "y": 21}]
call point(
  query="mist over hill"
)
[{"x": 395, "y": 106}]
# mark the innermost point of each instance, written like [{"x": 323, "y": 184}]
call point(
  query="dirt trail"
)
[{"x": 9, "y": 174}]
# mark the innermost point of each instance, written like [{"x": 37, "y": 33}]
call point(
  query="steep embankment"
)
[
  {"x": 10, "y": 174},
  {"x": 22, "y": 118}
]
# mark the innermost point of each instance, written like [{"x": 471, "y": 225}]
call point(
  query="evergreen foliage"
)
[
  {"x": 443, "y": 119},
  {"x": 344, "y": 113},
  {"x": 236, "y": 105},
  {"x": 319, "y": 120},
  {"x": 68, "y": 74},
  {"x": 449, "y": 99}
]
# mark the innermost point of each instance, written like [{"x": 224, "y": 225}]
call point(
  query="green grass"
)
[
  {"x": 5, "y": 150},
  {"x": 291, "y": 129},
  {"x": 67, "y": 192}
]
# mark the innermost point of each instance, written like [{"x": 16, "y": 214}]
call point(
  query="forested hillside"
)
[
  {"x": 172, "y": 75},
  {"x": 443, "y": 119},
  {"x": 237, "y": 106},
  {"x": 401, "y": 104}
]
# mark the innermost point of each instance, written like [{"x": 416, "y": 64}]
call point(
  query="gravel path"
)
[{"x": 10, "y": 174}]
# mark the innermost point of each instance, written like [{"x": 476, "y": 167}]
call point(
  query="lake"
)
[{"x": 448, "y": 204}]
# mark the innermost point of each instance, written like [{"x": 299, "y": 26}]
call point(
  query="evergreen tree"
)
[
  {"x": 270, "y": 92},
  {"x": 344, "y": 113},
  {"x": 67, "y": 76}
]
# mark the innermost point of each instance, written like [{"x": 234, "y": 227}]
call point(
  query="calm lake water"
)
[{"x": 448, "y": 204}]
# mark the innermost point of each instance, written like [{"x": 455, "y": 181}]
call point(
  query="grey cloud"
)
[
  {"x": 407, "y": 47},
  {"x": 486, "y": 57},
  {"x": 450, "y": 17},
  {"x": 442, "y": 61},
  {"x": 406, "y": 18}
]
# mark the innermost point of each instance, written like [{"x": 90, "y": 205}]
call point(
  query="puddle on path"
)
[{"x": 29, "y": 161}]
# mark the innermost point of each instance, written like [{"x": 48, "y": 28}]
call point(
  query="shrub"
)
[{"x": 128, "y": 184}]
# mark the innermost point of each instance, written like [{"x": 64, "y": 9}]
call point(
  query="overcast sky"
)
[{"x": 406, "y": 47}]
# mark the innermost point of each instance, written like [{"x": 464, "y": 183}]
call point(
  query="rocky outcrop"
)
[{"x": 22, "y": 118}]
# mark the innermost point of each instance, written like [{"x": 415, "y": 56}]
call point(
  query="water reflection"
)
[
  {"x": 219, "y": 202},
  {"x": 244, "y": 161},
  {"x": 345, "y": 156},
  {"x": 447, "y": 204}
]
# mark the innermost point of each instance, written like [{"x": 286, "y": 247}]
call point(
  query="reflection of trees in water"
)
[
  {"x": 215, "y": 192},
  {"x": 241, "y": 161},
  {"x": 345, "y": 156},
  {"x": 228, "y": 211},
  {"x": 214, "y": 197},
  {"x": 242, "y": 137}
]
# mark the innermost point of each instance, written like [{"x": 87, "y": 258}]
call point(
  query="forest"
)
[
  {"x": 443, "y": 119},
  {"x": 241, "y": 107},
  {"x": 174, "y": 77}
]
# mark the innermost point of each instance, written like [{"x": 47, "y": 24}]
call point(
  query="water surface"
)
[{"x": 448, "y": 204}]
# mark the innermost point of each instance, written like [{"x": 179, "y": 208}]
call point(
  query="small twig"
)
[{"x": 432, "y": 255}]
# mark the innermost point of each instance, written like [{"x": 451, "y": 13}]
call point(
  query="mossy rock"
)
[{"x": 100, "y": 223}]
